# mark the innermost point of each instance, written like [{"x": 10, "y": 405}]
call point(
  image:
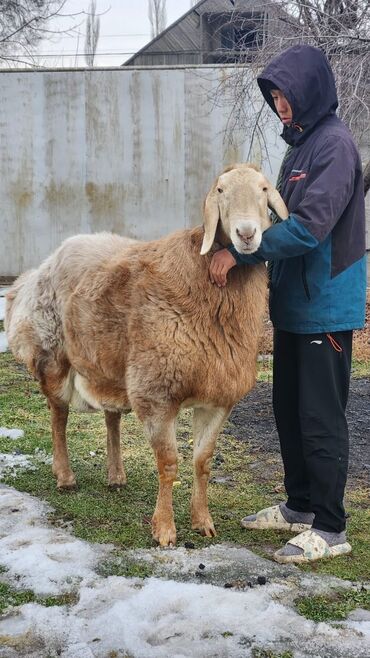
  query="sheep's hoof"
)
[
  {"x": 164, "y": 535},
  {"x": 116, "y": 479},
  {"x": 116, "y": 486},
  {"x": 206, "y": 528},
  {"x": 66, "y": 481},
  {"x": 67, "y": 487},
  {"x": 166, "y": 539}
]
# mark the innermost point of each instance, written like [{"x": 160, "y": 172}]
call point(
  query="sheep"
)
[{"x": 113, "y": 324}]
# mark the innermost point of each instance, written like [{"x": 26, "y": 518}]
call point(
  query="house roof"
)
[{"x": 217, "y": 5}]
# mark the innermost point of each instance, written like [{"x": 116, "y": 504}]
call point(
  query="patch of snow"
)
[
  {"x": 227, "y": 563},
  {"x": 150, "y": 618},
  {"x": 3, "y": 342},
  {"x": 10, "y": 463},
  {"x": 2, "y": 308},
  {"x": 41, "y": 456},
  {"x": 38, "y": 556},
  {"x": 359, "y": 614},
  {"x": 11, "y": 433}
]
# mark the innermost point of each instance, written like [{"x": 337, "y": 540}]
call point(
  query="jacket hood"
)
[{"x": 306, "y": 79}]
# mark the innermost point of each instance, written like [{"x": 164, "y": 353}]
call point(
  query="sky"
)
[{"x": 124, "y": 29}]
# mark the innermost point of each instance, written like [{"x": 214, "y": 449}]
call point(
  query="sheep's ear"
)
[
  {"x": 275, "y": 202},
  {"x": 211, "y": 217}
]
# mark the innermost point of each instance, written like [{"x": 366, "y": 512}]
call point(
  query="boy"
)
[{"x": 317, "y": 298}]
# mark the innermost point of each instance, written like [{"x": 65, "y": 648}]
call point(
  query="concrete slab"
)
[{"x": 238, "y": 567}]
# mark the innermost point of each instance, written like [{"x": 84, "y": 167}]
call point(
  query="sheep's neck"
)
[{"x": 221, "y": 236}]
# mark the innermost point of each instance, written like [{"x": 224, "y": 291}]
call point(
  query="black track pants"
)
[{"x": 310, "y": 392}]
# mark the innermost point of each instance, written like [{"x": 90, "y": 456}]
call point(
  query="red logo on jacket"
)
[{"x": 297, "y": 174}]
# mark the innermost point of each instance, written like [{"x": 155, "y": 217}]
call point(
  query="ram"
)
[{"x": 112, "y": 324}]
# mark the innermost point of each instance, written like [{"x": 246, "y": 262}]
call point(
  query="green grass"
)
[
  {"x": 123, "y": 517},
  {"x": 11, "y": 597},
  {"x": 119, "y": 565},
  {"x": 267, "y": 653},
  {"x": 333, "y": 607},
  {"x": 360, "y": 368}
]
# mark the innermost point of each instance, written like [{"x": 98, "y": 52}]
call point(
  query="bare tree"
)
[
  {"x": 367, "y": 178},
  {"x": 340, "y": 28},
  {"x": 23, "y": 24},
  {"x": 92, "y": 34},
  {"x": 157, "y": 16}
]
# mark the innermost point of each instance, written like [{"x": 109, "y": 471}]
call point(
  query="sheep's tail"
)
[
  {"x": 18, "y": 325},
  {"x": 11, "y": 296}
]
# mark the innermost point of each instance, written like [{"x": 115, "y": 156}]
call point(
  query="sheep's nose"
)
[{"x": 246, "y": 235}]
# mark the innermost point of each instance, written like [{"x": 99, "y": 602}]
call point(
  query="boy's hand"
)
[{"x": 222, "y": 261}]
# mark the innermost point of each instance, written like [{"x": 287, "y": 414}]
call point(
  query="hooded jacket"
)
[{"x": 319, "y": 275}]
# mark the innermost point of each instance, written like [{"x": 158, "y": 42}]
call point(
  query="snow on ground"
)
[
  {"x": 3, "y": 342},
  {"x": 10, "y": 463},
  {"x": 11, "y": 433},
  {"x": 152, "y": 618},
  {"x": 2, "y": 306},
  {"x": 38, "y": 556}
]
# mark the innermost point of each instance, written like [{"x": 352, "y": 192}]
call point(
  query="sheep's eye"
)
[
  {"x": 219, "y": 189},
  {"x": 264, "y": 189}
]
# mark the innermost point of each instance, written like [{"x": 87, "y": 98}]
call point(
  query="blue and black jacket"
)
[{"x": 319, "y": 274}]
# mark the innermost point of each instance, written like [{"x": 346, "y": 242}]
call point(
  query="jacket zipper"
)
[{"x": 304, "y": 279}]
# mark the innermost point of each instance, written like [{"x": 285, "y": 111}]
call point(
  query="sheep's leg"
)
[
  {"x": 61, "y": 468},
  {"x": 162, "y": 436},
  {"x": 207, "y": 423},
  {"x": 116, "y": 473}
]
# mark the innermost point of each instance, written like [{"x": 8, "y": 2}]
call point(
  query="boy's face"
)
[{"x": 282, "y": 106}]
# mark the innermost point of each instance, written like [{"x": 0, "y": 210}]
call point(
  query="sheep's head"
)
[{"x": 239, "y": 200}]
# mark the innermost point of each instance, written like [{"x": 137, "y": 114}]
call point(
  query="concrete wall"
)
[{"x": 131, "y": 151}]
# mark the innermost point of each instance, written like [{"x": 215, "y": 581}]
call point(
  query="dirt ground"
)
[
  {"x": 361, "y": 339},
  {"x": 252, "y": 420}
]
